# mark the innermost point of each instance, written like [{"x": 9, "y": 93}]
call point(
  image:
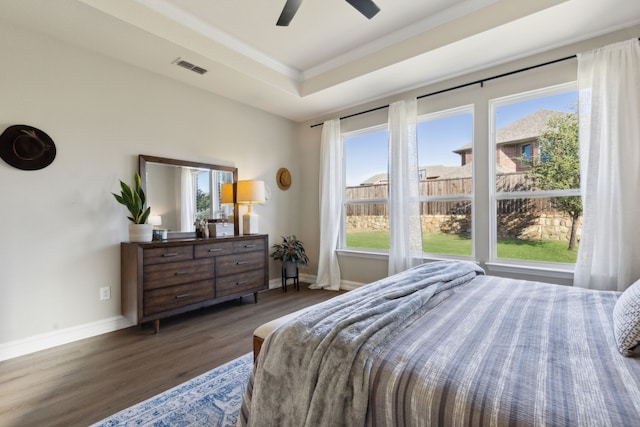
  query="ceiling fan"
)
[{"x": 366, "y": 7}]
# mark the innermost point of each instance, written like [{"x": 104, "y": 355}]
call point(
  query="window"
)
[
  {"x": 536, "y": 190},
  {"x": 529, "y": 191},
  {"x": 445, "y": 154},
  {"x": 202, "y": 190},
  {"x": 526, "y": 152},
  {"x": 366, "y": 178}
]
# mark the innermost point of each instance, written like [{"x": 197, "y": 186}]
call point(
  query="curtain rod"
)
[{"x": 480, "y": 82}]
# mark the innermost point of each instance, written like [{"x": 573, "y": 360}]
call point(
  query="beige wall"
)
[
  {"x": 60, "y": 228},
  {"x": 365, "y": 269}
]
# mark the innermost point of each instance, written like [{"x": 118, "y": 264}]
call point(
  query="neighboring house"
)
[
  {"x": 377, "y": 179},
  {"x": 516, "y": 141}
]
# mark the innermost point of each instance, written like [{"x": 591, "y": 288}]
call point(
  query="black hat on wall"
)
[{"x": 27, "y": 148}]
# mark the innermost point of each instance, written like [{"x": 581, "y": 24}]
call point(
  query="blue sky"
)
[{"x": 366, "y": 155}]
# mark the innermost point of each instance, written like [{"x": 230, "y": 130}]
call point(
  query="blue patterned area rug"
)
[{"x": 212, "y": 399}]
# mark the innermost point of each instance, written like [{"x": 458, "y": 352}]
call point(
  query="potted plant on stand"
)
[
  {"x": 135, "y": 200},
  {"x": 291, "y": 253}
]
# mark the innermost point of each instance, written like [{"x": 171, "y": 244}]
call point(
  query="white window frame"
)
[
  {"x": 343, "y": 222},
  {"x": 495, "y": 196},
  {"x": 442, "y": 114}
]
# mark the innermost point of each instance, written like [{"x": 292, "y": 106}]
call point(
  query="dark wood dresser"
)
[{"x": 164, "y": 278}]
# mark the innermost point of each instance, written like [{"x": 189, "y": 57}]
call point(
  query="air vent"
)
[
  {"x": 198, "y": 70},
  {"x": 189, "y": 66}
]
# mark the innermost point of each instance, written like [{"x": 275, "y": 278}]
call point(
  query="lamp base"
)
[{"x": 249, "y": 223}]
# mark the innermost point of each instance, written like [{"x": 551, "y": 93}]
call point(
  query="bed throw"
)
[{"x": 314, "y": 370}]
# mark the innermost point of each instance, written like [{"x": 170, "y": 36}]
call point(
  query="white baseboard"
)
[
  {"x": 348, "y": 285},
  {"x": 24, "y": 346},
  {"x": 52, "y": 339},
  {"x": 305, "y": 278},
  {"x": 309, "y": 278}
]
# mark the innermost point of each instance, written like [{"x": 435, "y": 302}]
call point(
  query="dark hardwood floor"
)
[{"x": 83, "y": 382}]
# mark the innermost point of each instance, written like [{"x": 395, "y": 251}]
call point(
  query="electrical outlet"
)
[{"x": 105, "y": 293}]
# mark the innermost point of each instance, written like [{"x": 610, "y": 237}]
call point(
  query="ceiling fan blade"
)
[
  {"x": 366, "y": 7},
  {"x": 288, "y": 12}
]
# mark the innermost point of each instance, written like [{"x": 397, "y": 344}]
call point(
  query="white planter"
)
[{"x": 140, "y": 232}]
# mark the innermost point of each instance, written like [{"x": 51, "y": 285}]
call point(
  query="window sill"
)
[
  {"x": 384, "y": 255},
  {"x": 364, "y": 253},
  {"x": 561, "y": 271},
  {"x": 550, "y": 271}
]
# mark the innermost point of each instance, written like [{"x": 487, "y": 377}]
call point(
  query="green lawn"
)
[
  {"x": 537, "y": 250},
  {"x": 440, "y": 243}
]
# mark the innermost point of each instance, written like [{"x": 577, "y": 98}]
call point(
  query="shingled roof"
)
[
  {"x": 528, "y": 127},
  {"x": 438, "y": 171}
]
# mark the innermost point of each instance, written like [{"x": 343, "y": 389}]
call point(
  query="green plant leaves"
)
[
  {"x": 291, "y": 249},
  {"x": 134, "y": 200}
]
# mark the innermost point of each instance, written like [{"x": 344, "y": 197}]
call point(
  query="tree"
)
[
  {"x": 558, "y": 166},
  {"x": 203, "y": 202}
]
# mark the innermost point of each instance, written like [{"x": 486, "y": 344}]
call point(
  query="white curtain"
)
[
  {"x": 331, "y": 188},
  {"x": 609, "y": 111},
  {"x": 187, "y": 200},
  {"x": 405, "y": 231}
]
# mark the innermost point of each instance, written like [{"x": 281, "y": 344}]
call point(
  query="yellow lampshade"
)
[
  {"x": 226, "y": 193},
  {"x": 251, "y": 192}
]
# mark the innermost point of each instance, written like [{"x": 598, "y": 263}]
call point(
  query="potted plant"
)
[
  {"x": 291, "y": 253},
  {"x": 291, "y": 249},
  {"x": 135, "y": 201}
]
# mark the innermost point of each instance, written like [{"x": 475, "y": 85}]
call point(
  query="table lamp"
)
[
  {"x": 155, "y": 220},
  {"x": 249, "y": 193}
]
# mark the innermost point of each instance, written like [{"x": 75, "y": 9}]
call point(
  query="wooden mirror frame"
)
[{"x": 142, "y": 166}]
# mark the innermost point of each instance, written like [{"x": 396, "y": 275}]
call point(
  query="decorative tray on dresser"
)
[{"x": 164, "y": 278}]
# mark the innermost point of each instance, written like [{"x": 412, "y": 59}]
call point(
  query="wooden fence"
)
[{"x": 446, "y": 187}]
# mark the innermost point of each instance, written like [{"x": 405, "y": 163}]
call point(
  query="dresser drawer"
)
[
  {"x": 169, "y": 298},
  {"x": 170, "y": 254},
  {"x": 237, "y": 263},
  {"x": 213, "y": 249},
  {"x": 239, "y": 283},
  {"x": 174, "y": 273},
  {"x": 249, "y": 245}
]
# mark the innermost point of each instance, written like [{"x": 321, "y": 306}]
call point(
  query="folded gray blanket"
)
[{"x": 314, "y": 370}]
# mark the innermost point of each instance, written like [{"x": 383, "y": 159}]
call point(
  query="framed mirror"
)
[{"x": 181, "y": 192}]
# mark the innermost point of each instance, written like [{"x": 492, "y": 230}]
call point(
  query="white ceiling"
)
[{"x": 330, "y": 57}]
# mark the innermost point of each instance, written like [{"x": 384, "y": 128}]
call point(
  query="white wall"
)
[
  {"x": 363, "y": 269},
  {"x": 60, "y": 228}
]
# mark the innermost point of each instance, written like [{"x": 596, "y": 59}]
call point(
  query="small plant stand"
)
[{"x": 290, "y": 271}]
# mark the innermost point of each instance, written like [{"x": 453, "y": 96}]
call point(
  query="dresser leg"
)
[
  {"x": 156, "y": 326},
  {"x": 255, "y": 297}
]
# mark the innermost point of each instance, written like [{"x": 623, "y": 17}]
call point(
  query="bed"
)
[{"x": 443, "y": 344}]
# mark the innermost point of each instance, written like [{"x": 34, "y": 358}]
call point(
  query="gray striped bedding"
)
[
  {"x": 503, "y": 352},
  {"x": 492, "y": 352}
]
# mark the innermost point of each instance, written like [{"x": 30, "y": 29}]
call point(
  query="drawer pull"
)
[
  {"x": 170, "y": 254},
  {"x": 242, "y": 282},
  {"x": 250, "y": 246},
  {"x": 182, "y": 296},
  {"x": 215, "y": 250},
  {"x": 242, "y": 263},
  {"x": 181, "y": 273}
]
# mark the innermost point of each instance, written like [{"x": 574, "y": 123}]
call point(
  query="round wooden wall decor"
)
[{"x": 283, "y": 178}]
